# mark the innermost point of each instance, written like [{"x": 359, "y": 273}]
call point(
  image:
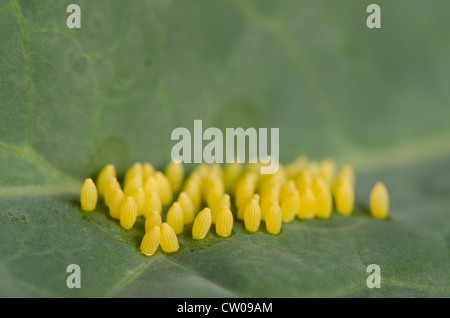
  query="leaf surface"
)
[{"x": 72, "y": 101}]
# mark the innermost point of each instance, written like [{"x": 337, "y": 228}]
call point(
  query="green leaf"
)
[{"x": 73, "y": 100}]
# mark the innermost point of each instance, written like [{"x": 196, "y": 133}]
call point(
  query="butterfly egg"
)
[
  {"x": 278, "y": 177},
  {"x": 344, "y": 197},
  {"x": 269, "y": 186},
  {"x": 164, "y": 188},
  {"x": 241, "y": 209},
  {"x": 327, "y": 171},
  {"x": 205, "y": 183},
  {"x": 274, "y": 218},
  {"x": 224, "y": 222},
  {"x": 128, "y": 213},
  {"x": 132, "y": 184},
  {"x": 108, "y": 172},
  {"x": 110, "y": 187},
  {"x": 295, "y": 167},
  {"x": 348, "y": 173},
  {"x": 150, "y": 241},
  {"x": 265, "y": 185},
  {"x": 292, "y": 170},
  {"x": 290, "y": 206},
  {"x": 147, "y": 171},
  {"x": 379, "y": 201},
  {"x": 136, "y": 168},
  {"x": 252, "y": 216},
  {"x": 318, "y": 184},
  {"x": 169, "y": 240},
  {"x": 268, "y": 181},
  {"x": 213, "y": 179},
  {"x": 302, "y": 161},
  {"x": 151, "y": 203},
  {"x": 151, "y": 185},
  {"x": 116, "y": 203},
  {"x": 175, "y": 174},
  {"x": 253, "y": 167},
  {"x": 259, "y": 178},
  {"x": 202, "y": 170},
  {"x": 202, "y": 223},
  {"x": 89, "y": 195},
  {"x": 323, "y": 202},
  {"x": 303, "y": 180},
  {"x": 215, "y": 192},
  {"x": 252, "y": 177},
  {"x": 307, "y": 201},
  {"x": 231, "y": 175},
  {"x": 244, "y": 190},
  {"x": 195, "y": 178},
  {"x": 266, "y": 202},
  {"x": 187, "y": 207},
  {"x": 139, "y": 198},
  {"x": 216, "y": 171},
  {"x": 175, "y": 218},
  {"x": 249, "y": 178},
  {"x": 313, "y": 168},
  {"x": 152, "y": 220},
  {"x": 286, "y": 189},
  {"x": 223, "y": 201},
  {"x": 212, "y": 173},
  {"x": 242, "y": 198},
  {"x": 193, "y": 191}
]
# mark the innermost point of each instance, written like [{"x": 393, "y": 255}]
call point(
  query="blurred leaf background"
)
[{"x": 113, "y": 91}]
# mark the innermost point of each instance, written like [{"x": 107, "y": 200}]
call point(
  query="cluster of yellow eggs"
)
[{"x": 303, "y": 189}]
